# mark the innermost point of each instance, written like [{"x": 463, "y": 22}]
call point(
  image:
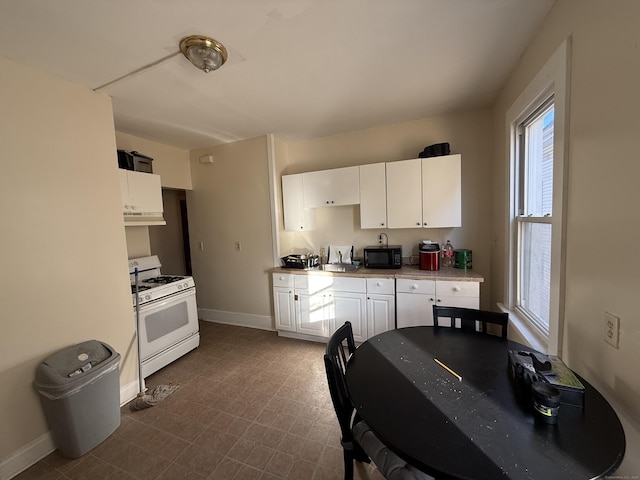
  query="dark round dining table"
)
[{"x": 477, "y": 427}]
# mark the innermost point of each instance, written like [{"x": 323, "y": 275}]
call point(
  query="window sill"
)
[{"x": 521, "y": 332}]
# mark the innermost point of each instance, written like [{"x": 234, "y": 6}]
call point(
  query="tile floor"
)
[{"x": 251, "y": 406}]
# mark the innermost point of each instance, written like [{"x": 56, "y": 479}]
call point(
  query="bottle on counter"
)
[{"x": 447, "y": 254}]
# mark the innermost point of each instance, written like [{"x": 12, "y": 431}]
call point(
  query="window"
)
[
  {"x": 536, "y": 124},
  {"x": 534, "y": 220}
]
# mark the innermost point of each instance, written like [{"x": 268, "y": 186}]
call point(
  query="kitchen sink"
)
[{"x": 339, "y": 267}]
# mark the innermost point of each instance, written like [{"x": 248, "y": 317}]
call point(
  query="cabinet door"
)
[
  {"x": 345, "y": 183},
  {"x": 312, "y": 313},
  {"x": 373, "y": 196},
  {"x": 404, "y": 194},
  {"x": 125, "y": 196},
  {"x": 346, "y": 306},
  {"x": 381, "y": 314},
  {"x": 145, "y": 191},
  {"x": 296, "y": 217},
  {"x": 441, "y": 191},
  {"x": 414, "y": 309},
  {"x": 318, "y": 190},
  {"x": 326, "y": 188},
  {"x": 284, "y": 309}
]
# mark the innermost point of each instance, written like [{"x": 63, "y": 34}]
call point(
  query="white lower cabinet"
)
[
  {"x": 415, "y": 299},
  {"x": 283, "y": 304},
  {"x": 381, "y": 305},
  {"x": 317, "y": 305}
]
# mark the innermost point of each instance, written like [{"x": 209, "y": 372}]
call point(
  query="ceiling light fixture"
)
[{"x": 205, "y": 53}]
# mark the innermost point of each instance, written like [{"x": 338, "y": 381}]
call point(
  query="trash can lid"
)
[{"x": 72, "y": 363}]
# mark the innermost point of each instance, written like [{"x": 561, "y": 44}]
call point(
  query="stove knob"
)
[
  {"x": 179, "y": 286},
  {"x": 186, "y": 285},
  {"x": 147, "y": 297}
]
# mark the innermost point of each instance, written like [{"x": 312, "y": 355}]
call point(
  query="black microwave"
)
[{"x": 383, "y": 256}]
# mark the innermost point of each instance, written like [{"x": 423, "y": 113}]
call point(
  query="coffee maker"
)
[{"x": 429, "y": 255}]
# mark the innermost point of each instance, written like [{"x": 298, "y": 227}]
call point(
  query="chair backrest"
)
[
  {"x": 471, "y": 319},
  {"x": 339, "y": 349}
]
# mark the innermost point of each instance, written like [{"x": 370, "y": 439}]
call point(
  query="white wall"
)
[
  {"x": 61, "y": 221},
  {"x": 468, "y": 133},
  {"x": 603, "y": 194},
  {"x": 230, "y": 202}
]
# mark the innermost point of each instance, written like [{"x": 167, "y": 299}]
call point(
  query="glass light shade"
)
[{"x": 205, "y": 53}]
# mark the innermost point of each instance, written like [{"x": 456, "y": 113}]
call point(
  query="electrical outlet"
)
[
  {"x": 611, "y": 329},
  {"x": 237, "y": 246}
]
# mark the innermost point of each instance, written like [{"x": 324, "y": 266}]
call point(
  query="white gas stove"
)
[
  {"x": 151, "y": 284},
  {"x": 168, "y": 313}
]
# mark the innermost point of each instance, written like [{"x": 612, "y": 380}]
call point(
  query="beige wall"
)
[
  {"x": 230, "y": 202},
  {"x": 603, "y": 194},
  {"x": 171, "y": 163},
  {"x": 61, "y": 220},
  {"x": 469, "y": 133}
]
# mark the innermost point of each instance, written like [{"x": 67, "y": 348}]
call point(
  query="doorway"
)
[{"x": 171, "y": 241}]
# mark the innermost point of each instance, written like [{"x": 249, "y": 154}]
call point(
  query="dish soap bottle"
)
[{"x": 447, "y": 254}]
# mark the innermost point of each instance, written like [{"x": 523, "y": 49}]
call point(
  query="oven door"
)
[{"x": 166, "y": 322}]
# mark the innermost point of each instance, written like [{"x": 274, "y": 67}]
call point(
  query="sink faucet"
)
[
  {"x": 386, "y": 243},
  {"x": 339, "y": 256}
]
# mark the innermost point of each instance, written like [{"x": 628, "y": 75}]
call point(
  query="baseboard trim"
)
[
  {"x": 26, "y": 456},
  {"x": 262, "y": 322},
  {"x": 34, "y": 451}
]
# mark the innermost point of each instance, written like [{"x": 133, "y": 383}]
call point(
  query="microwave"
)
[{"x": 383, "y": 256}]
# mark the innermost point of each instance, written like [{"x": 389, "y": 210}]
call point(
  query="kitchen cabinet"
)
[
  {"x": 404, "y": 194},
  {"x": 283, "y": 302},
  {"x": 424, "y": 192},
  {"x": 296, "y": 217},
  {"x": 373, "y": 196},
  {"x": 415, "y": 299},
  {"x": 141, "y": 195},
  {"x": 381, "y": 305},
  {"x": 334, "y": 187},
  {"x": 441, "y": 192},
  {"x": 318, "y": 304}
]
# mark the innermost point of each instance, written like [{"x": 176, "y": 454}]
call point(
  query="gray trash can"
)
[{"x": 79, "y": 387}]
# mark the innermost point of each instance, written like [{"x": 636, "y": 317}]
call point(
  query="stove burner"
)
[
  {"x": 140, "y": 288},
  {"x": 163, "y": 279}
]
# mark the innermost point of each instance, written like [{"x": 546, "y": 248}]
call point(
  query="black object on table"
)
[{"x": 474, "y": 428}]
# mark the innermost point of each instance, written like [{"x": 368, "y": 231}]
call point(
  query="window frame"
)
[{"x": 551, "y": 81}]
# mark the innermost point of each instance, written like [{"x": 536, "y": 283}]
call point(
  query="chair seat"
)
[{"x": 391, "y": 466}]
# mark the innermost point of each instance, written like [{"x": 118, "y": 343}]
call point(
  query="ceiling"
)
[{"x": 297, "y": 68}]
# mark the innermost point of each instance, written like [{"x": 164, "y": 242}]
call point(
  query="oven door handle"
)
[{"x": 170, "y": 298}]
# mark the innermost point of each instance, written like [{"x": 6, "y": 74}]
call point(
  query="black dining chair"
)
[
  {"x": 471, "y": 319},
  {"x": 358, "y": 441}
]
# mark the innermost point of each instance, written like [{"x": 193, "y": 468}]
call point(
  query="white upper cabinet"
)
[
  {"x": 328, "y": 188},
  {"x": 141, "y": 195},
  {"x": 404, "y": 194},
  {"x": 373, "y": 196},
  {"x": 296, "y": 217},
  {"x": 424, "y": 192},
  {"x": 441, "y": 192}
]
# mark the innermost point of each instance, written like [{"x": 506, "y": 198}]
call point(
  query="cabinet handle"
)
[
  {"x": 301, "y": 227},
  {"x": 378, "y": 284},
  {"x": 425, "y": 224},
  {"x": 382, "y": 224},
  {"x": 295, "y": 297},
  {"x": 432, "y": 299},
  {"x": 414, "y": 287},
  {"x": 456, "y": 288},
  {"x": 438, "y": 300},
  {"x": 417, "y": 223}
]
